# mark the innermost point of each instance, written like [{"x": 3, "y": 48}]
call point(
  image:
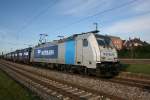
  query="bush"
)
[{"x": 136, "y": 52}]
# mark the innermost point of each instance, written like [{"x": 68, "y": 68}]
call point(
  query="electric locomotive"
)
[{"x": 86, "y": 52}]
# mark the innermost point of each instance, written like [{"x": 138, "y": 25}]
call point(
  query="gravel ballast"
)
[{"x": 116, "y": 89}]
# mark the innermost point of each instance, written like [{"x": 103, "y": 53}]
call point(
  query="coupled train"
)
[{"x": 89, "y": 53}]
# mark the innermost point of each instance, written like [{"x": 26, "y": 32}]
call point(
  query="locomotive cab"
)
[
  {"x": 109, "y": 63},
  {"x": 108, "y": 52},
  {"x": 97, "y": 53}
]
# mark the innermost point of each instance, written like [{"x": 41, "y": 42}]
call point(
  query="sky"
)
[{"x": 21, "y": 21}]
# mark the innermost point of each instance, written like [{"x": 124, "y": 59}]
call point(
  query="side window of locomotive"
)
[{"x": 85, "y": 43}]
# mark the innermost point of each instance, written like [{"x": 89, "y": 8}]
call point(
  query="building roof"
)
[
  {"x": 115, "y": 37},
  {"x": 132, "y": 42}
]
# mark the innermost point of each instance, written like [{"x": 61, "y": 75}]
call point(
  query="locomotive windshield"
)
[
  {"x": 104, "y": 41},
  {"x": 101, "y": 42}
]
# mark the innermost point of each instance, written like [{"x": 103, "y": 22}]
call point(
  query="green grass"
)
[
  {"x": 137, "y": 68},
  {"x": 11, "y": 90}
]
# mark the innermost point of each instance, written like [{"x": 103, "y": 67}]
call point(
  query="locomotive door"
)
[{"x": 79, "y": 52}]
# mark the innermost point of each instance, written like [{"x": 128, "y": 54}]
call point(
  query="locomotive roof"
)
[
  {"x": 72, "y": 37},
  {"x": 75, "y": 35}
]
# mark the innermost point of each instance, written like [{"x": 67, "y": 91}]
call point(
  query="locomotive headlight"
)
[{"x": 115, "y": 59}]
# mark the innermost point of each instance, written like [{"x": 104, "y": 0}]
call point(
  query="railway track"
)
[
  {"x": 42, "y": 91},
  {"x": 143, "y": 85},
  {"x": 62, "y": 90},
  {"x": 37, "y": 88}
]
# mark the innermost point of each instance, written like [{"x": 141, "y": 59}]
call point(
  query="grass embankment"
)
[
  {"x": 11, "y": 90},
  {"x": 137, "y": 68}
]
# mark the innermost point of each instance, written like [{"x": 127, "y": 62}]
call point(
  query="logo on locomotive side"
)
[{"x": 45, "y": 52}]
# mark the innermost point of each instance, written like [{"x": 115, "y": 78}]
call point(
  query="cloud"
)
[
  {"x": 89, "y": 7},
  {"x": 137, "y": 26},
  {"x": 142, "y": 6},
  {"x": 81, "y": 7}
]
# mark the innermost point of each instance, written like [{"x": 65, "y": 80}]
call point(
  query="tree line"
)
[{"x": 135, "y": 52}]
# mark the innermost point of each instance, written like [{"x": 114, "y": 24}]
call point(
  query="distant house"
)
[
  {"x": 133, "y": 43},
  {"x": 117, "y": 41}
]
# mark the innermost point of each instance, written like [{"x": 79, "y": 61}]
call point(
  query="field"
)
[
  {"x": 10, "y": 90},
  {"x": 137, "y": 68}
]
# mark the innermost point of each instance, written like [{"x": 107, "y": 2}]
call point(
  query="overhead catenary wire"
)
[
  {"x": 30, "y": 22},
  {"x": 13, "y": 43},
  {"x": 99, "y": 13},
  {"x": 75, "y": 22}
]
